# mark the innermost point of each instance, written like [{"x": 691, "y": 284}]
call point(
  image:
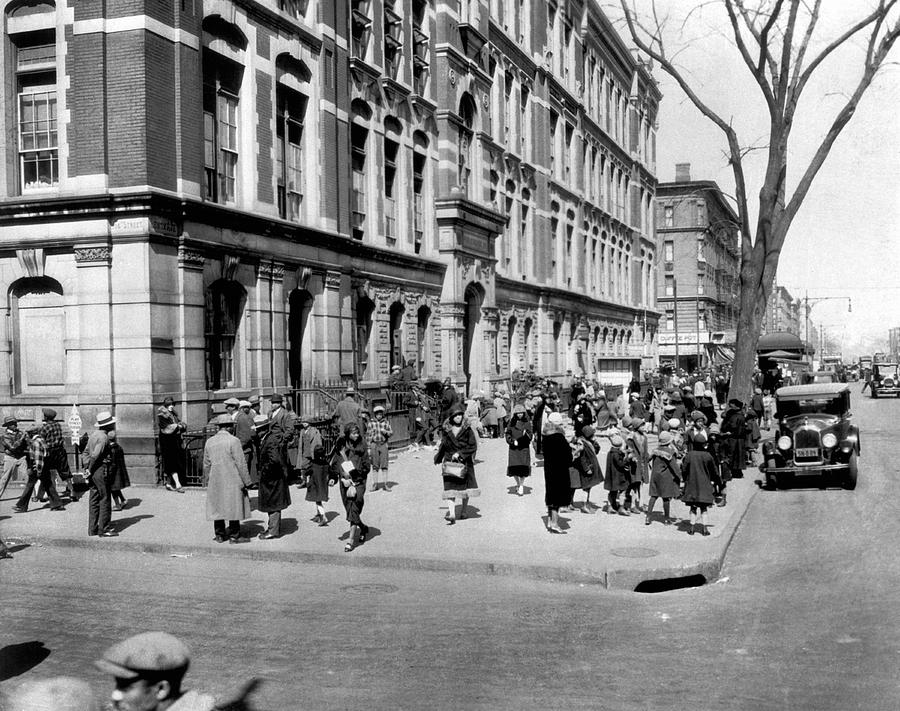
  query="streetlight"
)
[{"x": 807, "y": 300}]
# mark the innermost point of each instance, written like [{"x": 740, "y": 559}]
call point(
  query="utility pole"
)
[
  {"x": 697, "y": 320},
  {"x": 675, "y": 319}
]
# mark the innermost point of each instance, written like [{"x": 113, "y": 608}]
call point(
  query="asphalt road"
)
[{"x": 804, "y": 617}]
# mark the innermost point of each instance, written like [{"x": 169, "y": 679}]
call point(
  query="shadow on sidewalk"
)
[
  {"x": 131, "y": 503},
  {"x": 16, "y": 659},
  {"x": 120, "y": 524}
]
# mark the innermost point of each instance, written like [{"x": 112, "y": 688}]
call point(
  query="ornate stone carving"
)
[
  {"x": 332, "y": 280},
  {"x": 273, "y": 270},
  {"x": 451, "y": 76},
  {"x": 485, "y": 100},
  {"x": 31, "y": 261},
  {"x": 92, "y": 255},
  {"x": 230, "y": 263},
  {"x": 487, "y": 273},
  {"x": 190, "y": 258},
  {"x": 465, "y": 266}
]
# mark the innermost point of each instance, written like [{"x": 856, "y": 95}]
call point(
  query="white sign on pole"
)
[{"x": 75, "y": 424}]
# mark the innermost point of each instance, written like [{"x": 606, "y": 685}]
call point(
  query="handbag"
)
[{"x": 453, "y": 470}]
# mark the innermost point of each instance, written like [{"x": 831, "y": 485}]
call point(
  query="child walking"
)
[
  {"x": 378, "y": 434},
  {"x": 698, "y": 470},
  {"x": 637, "y": 447},
  {"x": 618, "y": 474},
  {"x": 518, "y": 437},
  {"x": 664, "y": 477}
]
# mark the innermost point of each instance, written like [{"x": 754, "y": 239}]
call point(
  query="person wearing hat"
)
[
  {"x": 97, "y": 464},
  {"x": 705, "y": 405},
  {"x": 171, "y": 447},
  {"x": 604, "y": 417},
  {"x": 637, "y": 407},
  {"x": 231, "y": 406},
  {"x": 665, "y": 477},
  {"x": 312, "y": 462},
  {"x": 458, "y": 445},
  {"x": 57, "y": 460},
  {"x": 636, "y": 442},
  {"x": 61, "y": 693},
  {"x": 346, "y": 412},
  {"x": 38, "y": 471},
  {"x": 582, "y": 414},
  {"x": 117, "y": 472},
  {"x": 149, "y": 669},
  {"x": 449, "y": 399},
  {"x": 557, "y": 461},
  {"x": 350, "y": 465},
  {"x": 734, "y": 438},
  {"x": 378, "y": 434},
  {"x": 274, "y": 493},
  {"x": 254, "y": 405},
  {"x": 587, "y": 466},
  {"x": 226, "y": 492},
  {"x": 618, "y": 474},
  {"x": 698, "y": 471},
  {"x": 518, "y": 436},
  {"x": 245, "y": 431},
  {"x": 395, "y": 379},
  {"x": 15, "y": 448}
]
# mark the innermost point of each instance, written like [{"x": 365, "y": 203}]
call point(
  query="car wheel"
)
[
  {"x": 874, "y": 394},
  {"x": 771, "y": 479},
  {"x": 852, "y": 472}
]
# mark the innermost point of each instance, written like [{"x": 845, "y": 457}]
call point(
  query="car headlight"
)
[
  {"x": 784, "y": 442},
  {"x": 829, "y": 440}
]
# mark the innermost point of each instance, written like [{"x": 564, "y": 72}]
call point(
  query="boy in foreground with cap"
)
[
  {"x": 149, "y": 669},
  {"x": 38, "y": 471},
  {"x": 378, "y": 433},
  {"x": 15, "y": 445}
]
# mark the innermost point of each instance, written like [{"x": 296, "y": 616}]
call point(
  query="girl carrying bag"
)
[{"x": 453, "y": 470}]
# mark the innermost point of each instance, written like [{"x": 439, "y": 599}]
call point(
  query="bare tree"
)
[{"x": 774, "y": 39}]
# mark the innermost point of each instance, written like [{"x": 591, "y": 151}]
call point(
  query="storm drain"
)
[
  {"x": 668, "y": 584},
  {"x": 370, "y": 588}
]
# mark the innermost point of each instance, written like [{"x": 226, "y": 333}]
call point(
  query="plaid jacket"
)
[
  {"x": 37, "y": 453},
  {"x": 52, "y": 434},
  {"x": 15, "y": 443},
  {"x": 378, "y": 431}
]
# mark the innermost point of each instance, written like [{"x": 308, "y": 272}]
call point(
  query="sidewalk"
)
[{"x": 504, "y": 535}]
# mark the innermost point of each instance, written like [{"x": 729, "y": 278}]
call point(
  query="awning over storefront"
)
[{"x": 721, "y": 355}]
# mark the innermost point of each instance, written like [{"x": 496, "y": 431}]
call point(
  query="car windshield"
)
[{"x": 812, "y": 406}]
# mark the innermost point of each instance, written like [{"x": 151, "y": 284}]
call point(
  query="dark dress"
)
[
  {"x": 170, "y": 445},
  {"x": 274, "y": 494},
  {"x": 359, "y": 455},
  {"x": 588, "y": 466},
  {"x": 664, "y": 475},
  {"x": 734, "y": 440},
  {"x": 698, "y": 471},
  {"x": 117, "y": 471},
  {"x": 317, "y": 485},
  {"x": 518, "y": 437},
  {"x": 463, "y": 443},
  {"x": 557, "y": 460},
  {"x": 618, "y": 471}
]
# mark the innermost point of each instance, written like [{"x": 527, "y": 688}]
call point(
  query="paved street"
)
[{"x": 802, "y": 618}]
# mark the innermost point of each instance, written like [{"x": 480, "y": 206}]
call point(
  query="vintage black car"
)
[
  {"x": 885, "y": 379},
  {"x": 815, "y": 437}
]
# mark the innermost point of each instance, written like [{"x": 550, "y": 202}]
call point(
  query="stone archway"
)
[{"x": 472, "y": 352}]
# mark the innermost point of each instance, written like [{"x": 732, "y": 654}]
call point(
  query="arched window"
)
[
  {"x": 300, "y": 307},
  {"x": 395, "y": 333},
  {"x": 420, "y": 164},
  {"x": 360, "y": 115},
  {"x": 290, "y": 99},
  {"x": 225, "y": 301},
  {"x": 38, "y": 335},
  {"x": 526, "y": 338},
  {"x": 423, "y": 340},
  {"x": 393, "y": 131},
  {"x": 557, "y": 332},
  {"x": 512, "y": 345},
  {"x": 466, "y": 133},
  {"x": 365, "y": 310}
]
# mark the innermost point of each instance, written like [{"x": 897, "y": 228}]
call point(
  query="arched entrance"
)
[
  {"x": 395, "y": 333},
  {"x": 472, "y": 337},
  {"x": 300, "y": 351}
]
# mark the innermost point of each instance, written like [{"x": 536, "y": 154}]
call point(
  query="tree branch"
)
[
  {"x": 748, "y": 21},
  {"x": 764, "y": 34},
  {"x": 758, "y": 72},
  {"x": 784, "y": 76},
  {"x": 801, "y": 53}
]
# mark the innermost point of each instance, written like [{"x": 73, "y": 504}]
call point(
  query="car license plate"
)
[{"x": 806, "y": 452}]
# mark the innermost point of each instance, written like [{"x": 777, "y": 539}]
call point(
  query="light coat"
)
[{"x": 226, "y": 468}]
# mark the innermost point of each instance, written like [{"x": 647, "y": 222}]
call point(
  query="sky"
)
[{"x": 845, "y": 240}]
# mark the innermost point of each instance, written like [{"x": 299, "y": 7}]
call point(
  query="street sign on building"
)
[{"x": 75, "y": 424}]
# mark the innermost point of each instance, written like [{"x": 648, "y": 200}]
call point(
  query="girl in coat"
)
[
  {"x": 518, "y": 437},
  {"x": 274, "y": 494},
  {"x": 698, "y": 470},
  {"x": 557, "y": 460},
  {"x": 588, "y": 466},
  {"x": 640, "y": 455},
  {"x": 318, "y": 480},
  {"x": 458, "y": 444},
  {"x": 118, "y": 472},
  {"x": 350, "y": 466},
  {"x": 618, "y": 474},
  {"x": 665, "y": 480}
]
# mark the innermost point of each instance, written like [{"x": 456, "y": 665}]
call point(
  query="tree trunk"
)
[{"x": 749, "y": 326}]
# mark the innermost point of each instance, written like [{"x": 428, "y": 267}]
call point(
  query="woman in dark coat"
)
[
  {"x": 665, "y": 479},
  {"x": 557, "y": 461},
  {"x": 118, "y": 472},
  {"x": 274, "y": 493},
  {"x": 458, "y": 444},
  {"x": 734, "y": 438},
  {"x": 519, "y": 434},
  {"x": 350, "y": 465},
  {"x": 318, "y": 481},
  {"x": 588, "y": 467},
  {"x": 619, "y": 469},
  {"x": 698, "y": 470},
  {"x": 170, "y": 445}
]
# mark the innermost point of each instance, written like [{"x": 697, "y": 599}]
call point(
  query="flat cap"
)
[
  {"x": 233, "y": 401},
  {"x": 148, "y": 653},
  {"x": 222, "y": 420},
  {"x": 276, "y": 398},
  {"x": 49, "y": 413},
  {"x": 7, "y": 421},
  {"x": 261, "y": 421},
  {"x": 245, "y": 403}
]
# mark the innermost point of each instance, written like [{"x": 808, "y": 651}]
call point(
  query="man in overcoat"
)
[
  {"x": 96, "y": 462},
  {"x": 226, "y": 492},
  {"x": 274, "y": 495},
  {"x": 243, "y": 430}
]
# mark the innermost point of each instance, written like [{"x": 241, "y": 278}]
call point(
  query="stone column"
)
[
  {"x": 189, "y": 339},
  {"x": 272, "y": 324},
  {"x": 490, "y": 319},
  {"x": 337, "y": 343},
  {"x": 452, "y": 340}
]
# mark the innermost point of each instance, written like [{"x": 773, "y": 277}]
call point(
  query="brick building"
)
[
  {"x": 214, "y": 198},
  {"x": 784, "y": 313},
  {"x": 698, "y": 288}
]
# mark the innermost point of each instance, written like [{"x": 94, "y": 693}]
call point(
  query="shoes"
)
[
  {"x": 238, "y": 539},
  {"x": 555, "y": 529},
  {"x": 691, "y": 531},
  {"x": 117, "y": 507},
  {"x": 450, "y": 521},
  {"x": 266, "y": 536},
  {"x": 169, "y": 487},
  {"x": 624, "y": 512},
  {"x": 323, "y": 521},
  {"x": 4, "y": 553},
  {"x": 704, "y": 531},
  {"x": 316, "y": 519},
  {"x": 108, "y": 534},
  {"x": 180, "y": 490},
  {"x": 647, "y": 521},
  {"x": 636, "y": 509},
  {"x": 19, "y": 509},
  {"x": 220, "y": 539},
  {"x": 349, "y": 547},
  {"x": 587, "y": 509},
  {"x": 669, "y": 521}
]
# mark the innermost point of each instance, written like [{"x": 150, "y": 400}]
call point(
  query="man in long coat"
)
[
  {"x": 274, "y": 495},
  {"x": 244, "y": 431},
  {"x": 226, "y": 495},
  {"x": 734, "y": 435}
]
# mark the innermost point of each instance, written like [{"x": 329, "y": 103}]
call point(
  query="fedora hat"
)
[{"x": 105, "y": 419}]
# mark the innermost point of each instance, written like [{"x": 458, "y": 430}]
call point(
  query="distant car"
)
[
  {"x": 885, "y": 379},
  {"x": 824, "y": 376},
  {"x": 815, "y": 437}
]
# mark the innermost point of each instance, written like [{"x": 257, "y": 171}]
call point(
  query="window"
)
[
  {"x": 291, "y": 108},
  {"x": 464, "y": 150},
  {"x": 508, "y": 109},
  {"x": 670, "y": 320},
  {"x": 365, "y": 310},
  {"x": 221, "y": 85},
  {"x": 361, "y": 24},
  {"x": 670, "y": 285},
  {"x": 419, "y": 163},
  {"x": 423, "y": 340},
  {"x": 554, "y": 121},
  {"x": 359, "y": 136},
  {"x": 669, "y": 252},
  {"x": 701, "y": 321},
  {"x": 523, "y": 231},
  {"x": 393, "y": 38},
  {"x": 224, "y": 308},
  {"x": 328, "y": 69},
  {"x": 35, "y": 78},
  {"x": 668, "y": 217},
  {"x": 38, "y": 320},
  {"x": 391, "y": 149},
  {"x": 567, "y": 154},
  {"x": 420, "y": 46},
  {"x": 524, "y": 131}
]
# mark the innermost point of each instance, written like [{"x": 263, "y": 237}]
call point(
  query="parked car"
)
[
  {"x": 885, "y": 379},
  {"x": 824, "y": 376},
  {"x": 815, "y": 437}
]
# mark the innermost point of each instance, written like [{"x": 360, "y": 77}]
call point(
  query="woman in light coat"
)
[{"x": 228, "y": 479}]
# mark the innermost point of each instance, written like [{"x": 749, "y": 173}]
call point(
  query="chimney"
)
[{"x": 682, "y": 172}]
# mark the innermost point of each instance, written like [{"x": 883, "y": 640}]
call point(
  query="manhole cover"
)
[
  {"x": 634, "y": 552},
  {"x": 370, "y": 588}
]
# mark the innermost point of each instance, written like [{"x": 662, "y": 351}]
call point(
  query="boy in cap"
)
[
  {"x": 618, "y": 474},
  {"x": 378, "y": 433},
  {"x": 15, "y": 446},
  {"x": 57, "y": 459},
  {"x": 149, "y": 669},
  {"x": 38, "y": 471}
]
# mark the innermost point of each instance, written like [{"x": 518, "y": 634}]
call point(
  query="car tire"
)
[
  {"x": 874, "y": 394},
  {"x": 771, "y": 479},
  {"x": 852, "y": 472}
]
